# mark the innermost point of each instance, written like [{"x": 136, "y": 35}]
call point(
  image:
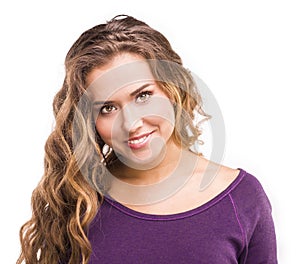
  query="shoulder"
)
[
  {"x": 215, "y": 177},
  {"x": 220, "y": 177},
  {"x": 254, "y": 215},
  {"x": 249, "y": 189},
  {"x": 243, "y": 187},
  {"x": 250, "y": 199}
]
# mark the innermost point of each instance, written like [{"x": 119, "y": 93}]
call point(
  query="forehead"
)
[{"x": 122, "y": 71}]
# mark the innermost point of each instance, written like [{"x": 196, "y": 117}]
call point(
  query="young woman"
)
[{"x": 121, "y": 184}]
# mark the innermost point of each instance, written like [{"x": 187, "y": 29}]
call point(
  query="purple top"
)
[{"x": 234, "y": 227}]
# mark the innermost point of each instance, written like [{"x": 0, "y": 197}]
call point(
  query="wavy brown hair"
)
[{"x": 65, "y": 201}]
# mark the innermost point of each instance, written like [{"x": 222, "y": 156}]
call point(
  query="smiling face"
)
[{"x": 132, "y": 114}]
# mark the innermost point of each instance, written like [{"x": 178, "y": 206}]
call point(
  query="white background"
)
[{"x": 247, "y": 52}]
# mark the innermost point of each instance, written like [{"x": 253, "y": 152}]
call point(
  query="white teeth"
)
[{"x": 137, "y": 141}]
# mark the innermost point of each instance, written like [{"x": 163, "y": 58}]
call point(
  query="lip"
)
[{"x": 139, "y": 141}]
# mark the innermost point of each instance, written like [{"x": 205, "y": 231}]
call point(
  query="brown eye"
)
[{"x": 107, "y": 109}]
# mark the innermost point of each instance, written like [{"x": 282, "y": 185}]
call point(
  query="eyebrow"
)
[
  {"x": 135, "y": 92},
  {"x": 140, "y": 89}
]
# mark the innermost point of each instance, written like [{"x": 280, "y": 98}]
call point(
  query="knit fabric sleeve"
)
[{"x": 254, "y": 214}]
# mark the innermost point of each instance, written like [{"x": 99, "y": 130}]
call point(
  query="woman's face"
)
[{"x": 132, "y": 114}]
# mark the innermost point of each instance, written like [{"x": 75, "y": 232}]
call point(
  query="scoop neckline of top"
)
[{"x": 180, "y": 215}]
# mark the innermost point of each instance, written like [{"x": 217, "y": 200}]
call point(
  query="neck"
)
[{"x": 141, "y": 187}]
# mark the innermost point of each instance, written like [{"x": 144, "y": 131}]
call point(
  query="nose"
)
[{"x": 131, "y": 119}]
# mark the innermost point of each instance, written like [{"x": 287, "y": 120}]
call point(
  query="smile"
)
[{"x": 139, "y": 141}]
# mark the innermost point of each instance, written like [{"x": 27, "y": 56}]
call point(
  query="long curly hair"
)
[{"x": 65, "y": 201}]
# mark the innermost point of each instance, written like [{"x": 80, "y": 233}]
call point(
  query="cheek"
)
[
  {"x": 167, "y": 126},
  {"x": 165, "y": 120},
  {"x": 104, "y": 129},
  {"x": 167, "y": 115},
  {"x": 160, "y": 107}
]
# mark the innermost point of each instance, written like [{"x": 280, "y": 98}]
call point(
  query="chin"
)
[{"x": 143, "y": 160}]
